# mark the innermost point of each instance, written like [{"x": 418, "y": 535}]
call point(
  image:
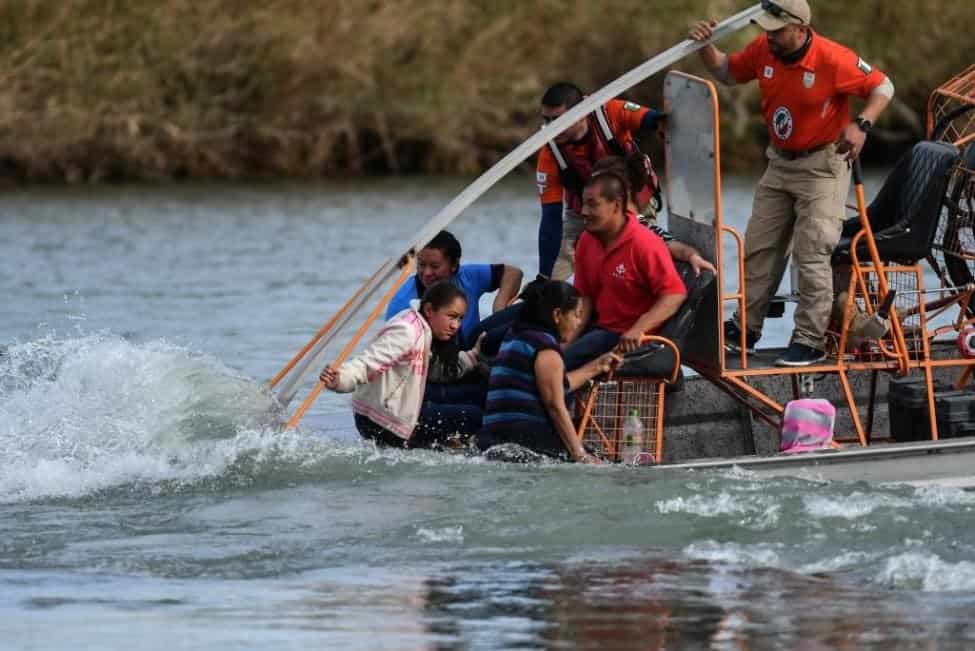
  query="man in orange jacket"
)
[
  {"x": 805, "y": 81},
  {"x": 566, "y": 163}
]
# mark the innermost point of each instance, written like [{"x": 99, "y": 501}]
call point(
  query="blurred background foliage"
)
[{"x": 107, "y": 90}]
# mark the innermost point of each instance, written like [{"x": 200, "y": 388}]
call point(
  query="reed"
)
[{"x": 107, "y": 90}]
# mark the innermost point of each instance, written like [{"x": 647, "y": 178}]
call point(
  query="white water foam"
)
[
  {"x": 927, "y": 572},
  {"x": 87, "y": 413},
  {"x": 760, "y": 512},
  {"x": 441, "y": 535}
]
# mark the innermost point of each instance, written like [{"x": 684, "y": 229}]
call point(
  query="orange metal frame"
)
[
  {"x": 954, "y": 93},
  {"x": 896, "y": 356},
  {"x": 353, "y": 342},
  {"x": 586, "y": 420}
]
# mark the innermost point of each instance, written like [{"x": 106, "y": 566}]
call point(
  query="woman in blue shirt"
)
[{"x": 440, "y": 260}]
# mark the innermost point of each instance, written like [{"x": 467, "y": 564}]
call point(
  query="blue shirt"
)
[{"x": 475, "y": 279}]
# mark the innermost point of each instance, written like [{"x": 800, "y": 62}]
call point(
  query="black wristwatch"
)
[{"x": 864, "y": 124}]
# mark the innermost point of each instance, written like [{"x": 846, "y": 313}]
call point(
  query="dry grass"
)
[{"x": 96, "y": 90}]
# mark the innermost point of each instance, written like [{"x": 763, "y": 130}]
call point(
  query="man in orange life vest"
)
[
  {"x": 566, "y": 163},
  {"x": 805, "y": 81}
]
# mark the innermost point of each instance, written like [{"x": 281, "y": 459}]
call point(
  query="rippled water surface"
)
[{"x": 148, "y": 498}]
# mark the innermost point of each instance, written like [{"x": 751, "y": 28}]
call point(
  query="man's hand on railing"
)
[{"x": 630, "y": 340}]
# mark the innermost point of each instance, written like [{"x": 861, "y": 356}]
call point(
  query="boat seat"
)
[
  {"x": 656, "y": 360},
  {"x": 904, "y": 215},
  {"x": 638, "y": 385}
]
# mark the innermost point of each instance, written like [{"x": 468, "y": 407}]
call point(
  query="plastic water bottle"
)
[{"x": 632, "y": 449}]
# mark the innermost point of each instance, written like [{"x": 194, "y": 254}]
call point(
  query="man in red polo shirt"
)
[
  {"x": 623, "y": 271},
  {"x": 805, "y": 81}
]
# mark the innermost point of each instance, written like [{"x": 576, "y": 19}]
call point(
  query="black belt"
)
[{"x": 793, "y": 154}]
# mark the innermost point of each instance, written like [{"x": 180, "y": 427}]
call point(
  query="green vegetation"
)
[{"x": 98, "y": 90}]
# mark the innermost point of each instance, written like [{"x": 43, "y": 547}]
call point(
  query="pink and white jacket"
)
[{"x": 389, "y": 376}]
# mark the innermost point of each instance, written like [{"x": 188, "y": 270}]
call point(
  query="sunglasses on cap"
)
[{"x": 778, "y": 12}]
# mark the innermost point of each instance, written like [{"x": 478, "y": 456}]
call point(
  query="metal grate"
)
[
  {"x": 954, "y": 244},
  {"x": 951, "y": 118},
  {"x": 614, "y": 401},
  {"x": 909, "y": 307}
]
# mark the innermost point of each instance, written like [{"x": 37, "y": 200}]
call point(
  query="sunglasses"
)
[{"x": 778, "y": 12}]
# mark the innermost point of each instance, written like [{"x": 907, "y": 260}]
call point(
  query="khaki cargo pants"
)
[
  {"x": 571, "y": 230},
  {"x": 799, "y": 208}
]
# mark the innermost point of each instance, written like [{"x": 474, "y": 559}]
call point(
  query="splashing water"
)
[{"x": 82, "y": 414}]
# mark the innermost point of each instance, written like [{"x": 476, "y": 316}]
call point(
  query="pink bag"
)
[{"x": 807, "y": 425}]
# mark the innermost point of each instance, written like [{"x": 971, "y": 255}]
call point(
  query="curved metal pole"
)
[
  {"x": 349, "y": 347},
  {"x": 520, "y": 154},
  {"x": 526, "y": 149},
  {"x": 322, "y": 331},
  {"x": 289, "y": 386}
]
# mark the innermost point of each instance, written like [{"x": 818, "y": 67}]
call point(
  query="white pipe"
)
[{"x": 515, "y": 158}]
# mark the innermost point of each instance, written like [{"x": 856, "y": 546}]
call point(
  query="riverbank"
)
[{"x": 98, "y": 91}]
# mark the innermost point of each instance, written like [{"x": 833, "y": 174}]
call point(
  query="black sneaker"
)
[
  {"x": 732, "y": 338},
  {"x": 800, "y": 355}
]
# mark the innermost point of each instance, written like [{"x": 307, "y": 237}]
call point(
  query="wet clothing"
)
[
  {"x": 799, "y": 203},
  {"x": 438, "y": 423},
  {"x": 627, "y": 279},
  {"x": 475, "y": 279},
  {"x": 514, "y": 412},
  {"x": 807, "y": 104},
  {"x": 388, "y": 377},
  {"x": 561, "y": 202}
]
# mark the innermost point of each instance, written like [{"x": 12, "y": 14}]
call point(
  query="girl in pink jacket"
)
[{"x": 389, "y": 376}]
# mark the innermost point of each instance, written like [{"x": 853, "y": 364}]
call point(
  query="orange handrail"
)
[
  {"x": 349, "y": 347},
  {"x": 739, "y": 296},
  {"x": 900, "y": 344},
  {"x": 875, "y": 259},
  {"x": 324, "y": 329}
]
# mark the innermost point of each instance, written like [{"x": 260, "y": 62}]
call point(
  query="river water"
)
[{"x": 147, "y": 500}]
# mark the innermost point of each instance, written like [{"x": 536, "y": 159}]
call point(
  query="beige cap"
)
[{"x": 779, "y": 14}]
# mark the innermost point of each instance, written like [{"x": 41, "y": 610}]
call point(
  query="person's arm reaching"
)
[
  {"x": 715, "y": 60},
  {"x": 510, "y": 285},
  {"x": 549, "y": 377},
  {"x": 665, "y": 307},
  {"x": 389, "y": 346},
  {"x": 687, "y": 253}
]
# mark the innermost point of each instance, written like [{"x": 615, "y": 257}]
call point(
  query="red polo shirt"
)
[
  {"x": 627, "y": 279},
  {"x": 805, "y": 104}
]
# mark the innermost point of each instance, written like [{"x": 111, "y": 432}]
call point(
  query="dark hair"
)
[
  {"x": 633, "y": 169},
  {"x": 443, "y": 354},
  {"x": 611, "y": 184},
  {"x": 540, "y": 299},
  {"x": 446, "y": 242},
  {"x": 563, "y": 93}
]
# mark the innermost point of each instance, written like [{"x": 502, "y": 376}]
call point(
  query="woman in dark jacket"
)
[{"x": 526, "y": 392}]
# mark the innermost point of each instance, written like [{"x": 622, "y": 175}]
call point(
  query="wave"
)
[{"x": 83, "y": 414}]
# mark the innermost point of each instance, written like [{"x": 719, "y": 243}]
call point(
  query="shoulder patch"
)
[
  {"x": 541, "y": 180},
  {"x": 864, "y": 66},
  {"x": 632, "y": 106}
]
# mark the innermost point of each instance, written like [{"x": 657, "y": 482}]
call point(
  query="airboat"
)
[{"x": 905, "y": 405}]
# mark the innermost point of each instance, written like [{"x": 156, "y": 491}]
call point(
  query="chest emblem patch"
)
[
  {"x": 782, "y": 123},
  {"x": 808, "y": 79},
  {"x": 620, "y": 271},
  {"x": 769, "y": 71}
]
